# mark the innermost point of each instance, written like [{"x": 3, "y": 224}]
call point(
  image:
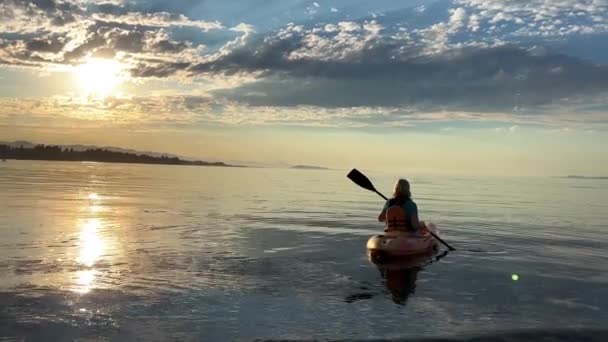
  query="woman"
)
[{"x": 400, "y": 212}]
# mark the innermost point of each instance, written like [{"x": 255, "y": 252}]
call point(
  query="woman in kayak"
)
[{"x": 400, "y": 212}]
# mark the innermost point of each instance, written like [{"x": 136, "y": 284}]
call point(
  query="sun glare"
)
[
  {"x": 91, "y": 244},
  {"x": 99, "y": 77}
]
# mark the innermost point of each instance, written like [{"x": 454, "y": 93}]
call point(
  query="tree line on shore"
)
[{"x": 59, "y": 153}]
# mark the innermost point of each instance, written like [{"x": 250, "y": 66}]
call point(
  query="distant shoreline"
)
[
  {"x": 126, "y": 162},
  {"x": 583, "y": 177},
  {"x": 98, "y": 155},
  {"x": 308, "y": 167}
]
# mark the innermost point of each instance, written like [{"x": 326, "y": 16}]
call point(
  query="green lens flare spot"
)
[{"x": 515, "y": 277}]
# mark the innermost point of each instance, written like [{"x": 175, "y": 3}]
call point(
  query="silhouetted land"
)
[
  {"x": 58, "y": 153},
  {"x": 584, "y": 177},
  {"x": 309, "y": 167}
]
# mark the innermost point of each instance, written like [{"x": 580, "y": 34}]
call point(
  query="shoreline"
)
[{"x": 183, "y": 163}]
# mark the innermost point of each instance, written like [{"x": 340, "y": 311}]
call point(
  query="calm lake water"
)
[{"x": 92, "y": 251}]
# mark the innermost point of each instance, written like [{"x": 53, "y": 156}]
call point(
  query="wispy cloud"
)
[
  {"x": 192, "y": 110},
  {"x": 158, "y": 19}
]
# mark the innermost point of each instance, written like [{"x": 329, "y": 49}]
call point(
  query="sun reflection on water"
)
[
  {"x": 91, "y": 249},
  {"x": 95, "y": 208},
  {"x": 85, "y": 280},
  {"x": 91, "y": 245}
]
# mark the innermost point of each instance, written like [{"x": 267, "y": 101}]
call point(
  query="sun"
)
[{"x": 99, "y": 77}]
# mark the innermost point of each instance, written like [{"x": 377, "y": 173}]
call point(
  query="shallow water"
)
[{"x": 124, "y": 252}]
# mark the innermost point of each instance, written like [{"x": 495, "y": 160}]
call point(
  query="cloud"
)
[
  {"x": 42, "y": 33},
  {"x": 159, "y": 70},
  {"x": 450, "y": 64},
  {"x": 192, "y": 110},
  {"x": 353, "y": 64},
  {"x": 312, "y": 9},
  {"x": 50, "y": 44},
  {"x": 457, "y": 20},
  {"x": 539, "y": 17},
  {"x": 437, "y": 37},
  {"x": 346, "y": 42},
  {"x": 178, "y": 110},
  {"x": 158, "y": 19},
  {"x": 19, "y": 16},
  {"x": 474, "y": 23}
]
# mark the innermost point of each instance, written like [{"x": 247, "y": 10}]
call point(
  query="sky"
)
[{"x": 506, "y": 87}]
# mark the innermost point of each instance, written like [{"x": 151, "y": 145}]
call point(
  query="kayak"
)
[{"x": 403, "y": 244}]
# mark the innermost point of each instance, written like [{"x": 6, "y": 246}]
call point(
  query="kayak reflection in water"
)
[
  {"x": 400, "y": 277},
  {"x": 400, "y": 282},
  {"x": 401, "y": 212}
]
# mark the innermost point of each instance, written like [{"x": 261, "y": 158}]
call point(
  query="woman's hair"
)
[{"x": 402, "y": 189}]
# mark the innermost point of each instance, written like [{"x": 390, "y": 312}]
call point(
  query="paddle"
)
[{"x": 362, "y": 181}]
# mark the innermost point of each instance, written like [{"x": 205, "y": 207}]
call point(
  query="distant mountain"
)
[
  {"x": 18, "y": 143},
  {"x": 309, "y": 167}
]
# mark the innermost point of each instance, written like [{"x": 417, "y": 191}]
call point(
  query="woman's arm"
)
[
  {"x": 382, "y": 216},
  {"x": 415, "y": 222},
  {"x": 412, "y": 211}
]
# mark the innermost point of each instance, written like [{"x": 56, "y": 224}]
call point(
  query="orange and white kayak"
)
[{"x": 403, "y": 244}]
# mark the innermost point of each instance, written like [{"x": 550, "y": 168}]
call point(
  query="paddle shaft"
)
[{"x": 381, "y": 195}]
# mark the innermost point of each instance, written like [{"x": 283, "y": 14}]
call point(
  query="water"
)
[{"x": 93, "y": 251}]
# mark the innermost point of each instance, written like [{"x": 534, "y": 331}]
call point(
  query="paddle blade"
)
[{"x": 360, "y": 180}]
